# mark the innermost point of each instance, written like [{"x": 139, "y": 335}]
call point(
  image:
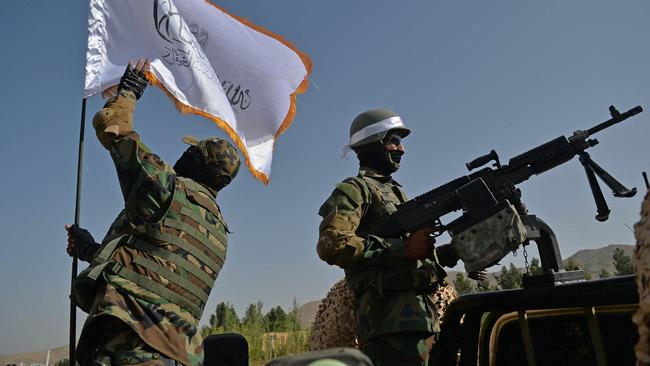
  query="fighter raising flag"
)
[{"x": 152, "y": 274}]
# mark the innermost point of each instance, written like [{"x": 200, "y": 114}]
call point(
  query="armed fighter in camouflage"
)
[
  {"x": 391, "y": 278},
  {"x": 151, "y": 276}
]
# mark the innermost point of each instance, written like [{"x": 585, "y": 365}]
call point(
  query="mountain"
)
[
  {"x": 38, "y": 358},
  {"x": 595, "y": 260},
  {"x": 307, "y": 313}
]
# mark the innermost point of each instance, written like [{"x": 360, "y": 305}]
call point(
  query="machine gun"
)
[{"x": 488, "y": 191}]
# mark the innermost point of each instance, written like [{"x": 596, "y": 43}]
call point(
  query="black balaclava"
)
[{"x": 376, "y": 156}]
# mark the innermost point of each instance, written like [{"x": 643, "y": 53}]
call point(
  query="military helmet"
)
[
  {"x": 212, "y": 161},
  {"x": 374, "y": 125}
]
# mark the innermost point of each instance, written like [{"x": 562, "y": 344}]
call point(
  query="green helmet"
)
[
  {"x": 373, "y": 125},
  {"x": 213, "y": 162}
]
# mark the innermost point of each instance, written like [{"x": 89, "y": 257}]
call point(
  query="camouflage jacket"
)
[
  {"x": 391, "y": 292},
  {"x": 151, "y": 193}
]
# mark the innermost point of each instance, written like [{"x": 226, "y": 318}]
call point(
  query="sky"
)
[{"x": 465, "y": 76}]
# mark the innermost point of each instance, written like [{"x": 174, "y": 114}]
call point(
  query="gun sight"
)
[{"x": 616, "y": 118}]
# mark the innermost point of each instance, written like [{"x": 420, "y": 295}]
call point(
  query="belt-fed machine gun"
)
[{"x": 490, "y": 225}]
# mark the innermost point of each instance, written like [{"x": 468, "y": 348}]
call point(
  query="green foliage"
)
[
  {"x": 293, "y": 321},
  {"x": 604, "y": 274},
  {"x": 275, "y": 320},
  {"x": 253, "y": 315},
  {"x": 63, "y": 362},
  {"x": 463, "y": 284},
  {"x": 509, "y": 277},
  {"x": 622, "y": 262},
  {"x": 535, "y": 267},
  {"x": 484, "y": 286},
  {"x": 224, "y": 317},
  {"x": 274, "y": 334},
  {"x": 571, "y": 265}
]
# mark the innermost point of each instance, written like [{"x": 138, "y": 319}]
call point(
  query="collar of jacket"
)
[{"x": 366, "y": 171}]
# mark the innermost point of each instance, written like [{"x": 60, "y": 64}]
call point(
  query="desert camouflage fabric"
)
[
  {"x": 115, "y": 119},
  {"x": 391, "y": 294},
  {"x": 334, "y": 322},
  {"x": 155, "y": 198},
  {"x": 490, "y": 240},
  {"x": 641, "y": 264}
]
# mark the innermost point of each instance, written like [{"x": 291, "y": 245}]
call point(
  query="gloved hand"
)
[
  {"x": 419, "y": 245},
  {"x": 134, "y": 79},
  {"x": 83, "y": 242},
  {"x": 116, "y": 118}
]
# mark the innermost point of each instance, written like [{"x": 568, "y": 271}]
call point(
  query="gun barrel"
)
[{"x": 616, "y": 118}]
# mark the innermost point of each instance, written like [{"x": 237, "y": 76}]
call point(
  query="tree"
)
[
  {"x": 509, "y": 277},
  {"x": 463, "y": 284},
  {"x": 63, "y": 362},
  {"x": 571, "y": 265},
  {"x": 622, "y": 262},
  {"x": 604, "y": 274},
  {"x": 484, "y": 286},
  {"x": 293, "y": 320},
  {"x": 276, "y": 320},
  {"x": 253, "y": 315},
  {"x": 535, "y": 267},
  {"x": 224, "y": 317}
]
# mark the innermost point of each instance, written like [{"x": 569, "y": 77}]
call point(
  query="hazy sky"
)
[{"x": 465, "y": 76}]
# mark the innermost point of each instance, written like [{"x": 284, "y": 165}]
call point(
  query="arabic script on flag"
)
[{"x": 211, "y": 63}]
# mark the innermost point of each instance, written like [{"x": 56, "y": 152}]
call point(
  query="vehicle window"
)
[{"x": 562, "y": 337}]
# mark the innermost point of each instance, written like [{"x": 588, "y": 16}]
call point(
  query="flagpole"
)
[{"x": 73, "y": 306}]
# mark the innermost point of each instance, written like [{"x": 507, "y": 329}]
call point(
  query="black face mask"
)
[
  {"x": 377, "y": 157},
  {"x": 396, "y": 156}
]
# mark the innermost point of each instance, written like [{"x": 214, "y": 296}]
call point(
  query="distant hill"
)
[
  {"x": 595, "y": 260},
  {"x": 29, "y": 358},
  {"x": 307, "y": 313}
]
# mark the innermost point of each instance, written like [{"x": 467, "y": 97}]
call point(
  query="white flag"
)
[{"x": 211, "y": 63}]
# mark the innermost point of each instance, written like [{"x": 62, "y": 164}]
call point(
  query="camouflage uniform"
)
[
  {"x": 396, "y": 318},
  {"x": 641, "y": 263},
  {"x": 148, "y": 283},
  {"x": 334, "y": 322}
]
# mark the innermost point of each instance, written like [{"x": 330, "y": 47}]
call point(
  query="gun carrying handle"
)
[{"x": 482, "y": 160}]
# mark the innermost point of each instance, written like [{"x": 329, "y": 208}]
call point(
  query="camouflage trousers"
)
[
  {"x": 125, "y": 348},
  {"x": 399, "y": 349}
]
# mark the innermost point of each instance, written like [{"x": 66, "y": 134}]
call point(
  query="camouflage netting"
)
[
  {"x": 641, "y": 263},
  {"x": 442, "y": 298},
  {"x": 334, "y": 323}
]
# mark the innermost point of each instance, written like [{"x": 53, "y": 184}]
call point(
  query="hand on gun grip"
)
[{"x": 420, "y": 244}]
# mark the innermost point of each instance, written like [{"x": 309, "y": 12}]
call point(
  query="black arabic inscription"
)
[{"x": 187, "y": 44}]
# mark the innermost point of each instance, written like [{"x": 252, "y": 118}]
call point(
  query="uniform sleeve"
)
[
  {"x": 147, "y": 183},
  {"x": 338, "y": 242}
]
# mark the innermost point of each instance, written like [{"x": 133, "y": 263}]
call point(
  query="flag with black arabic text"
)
[{"x": 210, "y": 63}]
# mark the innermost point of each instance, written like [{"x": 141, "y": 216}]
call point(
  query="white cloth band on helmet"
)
[{"x": 373, "y": 129}]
